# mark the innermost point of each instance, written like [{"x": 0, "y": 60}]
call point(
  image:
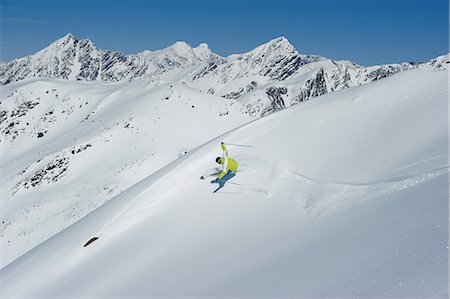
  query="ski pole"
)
[
  {"x": 233, "y": 144},
  {"x": 234, "y": 183}
]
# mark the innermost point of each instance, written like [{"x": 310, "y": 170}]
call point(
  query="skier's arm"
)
[{"x": 225, "y": 151}]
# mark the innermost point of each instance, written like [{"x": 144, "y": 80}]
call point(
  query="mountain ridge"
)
[
  {"x": 80, "y": 59},
  {"x": 272, "y": 76}
]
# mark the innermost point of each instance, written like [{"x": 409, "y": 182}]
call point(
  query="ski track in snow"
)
[{"x": 321, "y": 197}]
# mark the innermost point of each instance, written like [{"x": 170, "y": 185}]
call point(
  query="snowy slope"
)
[
  {"x": 68, "y": 147},
  {"x": 343, "y": 196}
]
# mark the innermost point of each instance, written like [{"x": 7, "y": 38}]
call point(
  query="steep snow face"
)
[
  {"x": 68, "y": 147},
  {"x": 346, "y": 196},
  {"x": 67, "y": 58},
  {"x": 71, "y": 58},
  {"x": 275, "y": 60}
]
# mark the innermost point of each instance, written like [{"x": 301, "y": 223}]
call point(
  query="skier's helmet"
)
[{"x": 218, "y": 160}]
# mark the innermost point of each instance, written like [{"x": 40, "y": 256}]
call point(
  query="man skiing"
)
[{"x": 228, "y": 169}]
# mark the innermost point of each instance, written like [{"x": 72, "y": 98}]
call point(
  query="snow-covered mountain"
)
[
  {"x": 75, "y": 59},
  {"x": 345, "y": 196}
]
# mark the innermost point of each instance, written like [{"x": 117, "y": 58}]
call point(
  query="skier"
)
[{"x": 228, "y": 169}]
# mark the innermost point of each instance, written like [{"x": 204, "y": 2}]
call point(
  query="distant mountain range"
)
[
  {"x": 79, "y": 59},
  {"x": 258, "y": 74}
]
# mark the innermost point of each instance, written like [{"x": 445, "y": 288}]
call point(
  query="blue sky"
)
[{"x": 367, "y": 32}]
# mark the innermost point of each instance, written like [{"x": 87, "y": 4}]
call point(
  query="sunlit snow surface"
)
[
  {"x": 346, "y": 195},
  {"x": 68, "y": 147}
]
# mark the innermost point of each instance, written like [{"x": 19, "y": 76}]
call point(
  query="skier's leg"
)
[
  {"x": 224, "y": 179},
  {"x": 217, "y": 189},
  {"x": 228, "y": 176}
]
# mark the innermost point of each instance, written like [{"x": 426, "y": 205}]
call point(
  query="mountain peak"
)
[
  {"x": 280, "y": 39},
  {"x": 178, "y": 48},
  {"x": 275, "y": 46},
  {"x": 181, "y": 46},
  {"x": 202, "y": 46},
  {"x": 68, "y": 37},
  {"x": 69, "y": 40},
  {"x": 202, "y": 49}
]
